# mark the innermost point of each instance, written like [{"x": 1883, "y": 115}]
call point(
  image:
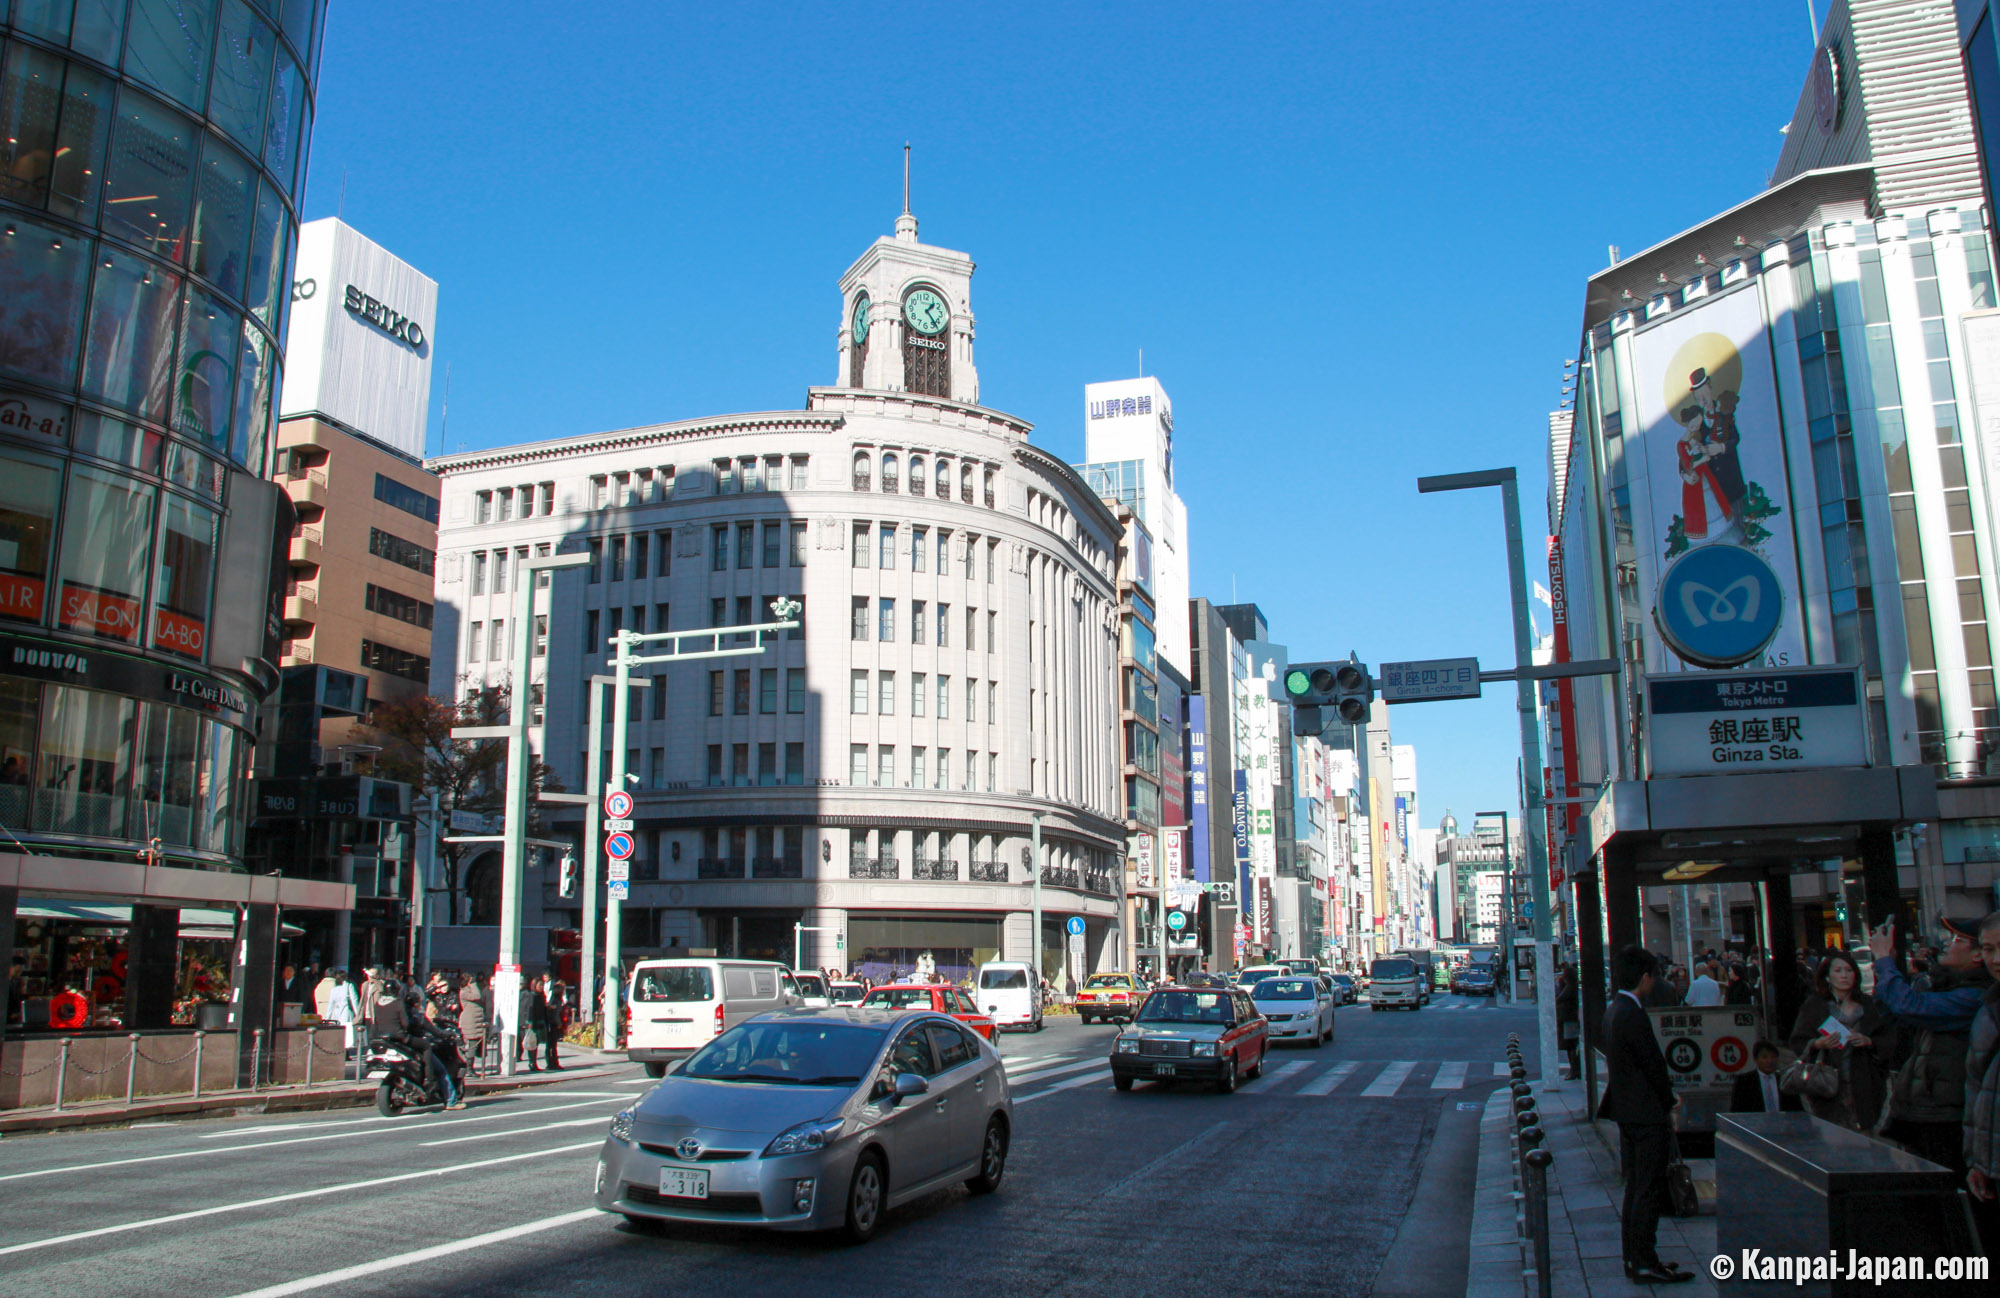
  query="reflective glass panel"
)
[
  {"x": 29, "y": 491},
  {"x": 20, "y": 701},
  {"x": 268, "y": 287},
  {"x": 86, "y": 762},
  {"x": 152, "y": 170},
  {"x": 253, "y": 400},
  {"x": 284, "y": 120},
  {"x": 30, "y": 103},
  {"x": 99, "y": 30},
  {"x": 107, "y": 522},
  {"x": 45, "y": 271},
  {"x": 242, "y": 74},
  {"x": 168, "y": 47},
  {"x": 205, "y": 379},
  {"x": 81, "y": 143},
  {"x": 167, "y": 777},
  {"x": 224, "y": 195},
  {"x": 184, "y": 577},
  {"x": 130, "y": 349},
  {"x": 221, "y": 786}
]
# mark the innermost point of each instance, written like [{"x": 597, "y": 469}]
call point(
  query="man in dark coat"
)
[
  {"x": 1757, "y": 1090},
  {"x": 1639, "y": 1097}
]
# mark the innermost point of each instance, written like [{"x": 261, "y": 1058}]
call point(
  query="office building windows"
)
[
  {"x": 767, "y": 691},
  {"x": 663, "y": 554},
  {"x": 857, "y": 692},
  {"x": 944, "y": 698},
  {"x": 992, "y": 702},
  {"x": 992, "y": 772},
  {"x": 479, "y": 572},
  {"x": 795, "y": 764},
  {"x": 971, "y": 771},
  {"x": 944, "y": 626},
  {"x": 798, "y": 473},
  {"x": 861, "y": 545},
  {"x": 971, "y": 699},
  {"x": 739, "y": 765},
  {"x": 796, "y": 554},
  {"x": 859, "y": 630},
  {"x": 475, "y": 643},
  {"x": 591, "y": 645},
  {"x": 857, "y": 764},
  {"x": 718, "y": 611},
  {"x": 885, "y": 766},
  {"x": 886, "y": 695},
  {"x": 718, "y": 548},
  {"x": 943, "y": 769},
  {"x": 715, "y": 693},
  {"x": 919, "y": 546},
  {"x": 656, "y": 767},
  {"x": 741, "y": 694},
  {"x": 917, "y": 628},
  {"x": 795, "y": 689},
  {"x": 396, "y": 550},
  {"x": 920, "y": 703},
  {"x": 886, "y": 620},
  {"x": 943, "y": 539},
  {"x": 639, "y": 556},
  {"x": 885, "y": 556},
  {"x": 798, "y": 632},
  {"x": 916, "y": 768},
  {"x": 659, "y": 693},
  {"x": 618, "y": 558},
  {"x": 767, "y": 764},
  {"x": 714, "y": 765},
  {"x": 746, "y": 545},
  {"x": 992, "y": 631},
  {"x": 992, "y": 557},
  {"x": 773, "y": 540},
  {"x": 971, "y": 548},
  {"x": 596, "y": 563}
]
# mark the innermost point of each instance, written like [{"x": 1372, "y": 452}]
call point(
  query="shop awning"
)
[{"x": 195, "y": 922}]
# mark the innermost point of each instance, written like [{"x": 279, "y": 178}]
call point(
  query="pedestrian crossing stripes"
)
[
  {"x": 1273, "y": 1074},
  {"x": 1450, "y": 1076},
  {"x": 1375, "y": 1079},
  {"x": 1390, "y": 1078},
  {"x": 1326, "y": 1081}
]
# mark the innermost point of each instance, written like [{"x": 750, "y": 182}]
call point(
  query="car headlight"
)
[
  {"x": 621, "y": 1126},
  {"x": 804, "y": 1138},
  {"x": 1204, "y": 1047},
  {"x": 1128, "y": 1045}
]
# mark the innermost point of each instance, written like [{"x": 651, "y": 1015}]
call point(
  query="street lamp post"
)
[
  {"x": 1035, "y": 873},
  {"x": 1536, "y": 828}
]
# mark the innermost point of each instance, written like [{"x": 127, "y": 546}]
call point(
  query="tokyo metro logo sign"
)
[{"x": 1719, "y": 606}]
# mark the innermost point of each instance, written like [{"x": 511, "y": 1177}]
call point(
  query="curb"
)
[{"x": 233, "y": 1103}]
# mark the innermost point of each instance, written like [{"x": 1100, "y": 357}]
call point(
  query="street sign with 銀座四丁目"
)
[{"x": 1428, "y": 679}]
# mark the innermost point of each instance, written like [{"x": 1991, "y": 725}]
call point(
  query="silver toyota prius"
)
[{"x": 812, "y": 1119}]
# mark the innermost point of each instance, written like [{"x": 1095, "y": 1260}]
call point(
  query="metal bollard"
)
[
  {"x": 131, "y": 1068},
  {"x": 1530, "y": 1139},
  {"x": 312, "y": 1048},
  {"x": 62, "y": 1071},
  {"x": 1520, "y": 1088},
  {"x": 198, "y": 1035},
  {"x": 1538, "y": 1161},
  {"x": 256, "y": 1056}
]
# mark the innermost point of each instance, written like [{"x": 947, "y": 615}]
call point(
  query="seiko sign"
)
[{"x": 399, "y": 327}]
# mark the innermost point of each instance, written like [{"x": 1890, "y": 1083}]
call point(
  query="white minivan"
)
[
  {"x": 1009, "y": 994},
  {"x": 679, "y": 1006}
]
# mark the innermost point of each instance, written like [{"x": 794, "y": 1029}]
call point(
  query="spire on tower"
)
[{"x": 906, "y": 224}]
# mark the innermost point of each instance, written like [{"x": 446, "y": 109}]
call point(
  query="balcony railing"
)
[
  {"x": 300, "y": 532},
  {"x": 947, "y": 870},
  {"x": 1059, "y": 876},
  {"x": 989, "y": 497},
  {"x": 872, "y": 867},
  {"x": 861, "y": 482},
  {"x": 719, "y": 867},
  {"x": 989, "y": 872},
  {"x": 775, "y": 867},
  {"x": 1098, "y": 881},
  {"x": 965, "y": 494}
]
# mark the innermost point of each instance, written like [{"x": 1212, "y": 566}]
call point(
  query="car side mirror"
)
[{"x": 910, "y": 1085}]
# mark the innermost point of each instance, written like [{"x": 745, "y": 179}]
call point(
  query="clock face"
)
[
  {"x": 925, "y": 311},
  {"x": 861, "y": 321}
]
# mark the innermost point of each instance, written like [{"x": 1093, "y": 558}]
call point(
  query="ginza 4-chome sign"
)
[
  {"x": 399, "y": 327},
  {"x": 1706, "y": 723}
]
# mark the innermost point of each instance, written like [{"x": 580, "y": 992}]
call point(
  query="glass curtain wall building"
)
[{"x": 151, "y": 158}]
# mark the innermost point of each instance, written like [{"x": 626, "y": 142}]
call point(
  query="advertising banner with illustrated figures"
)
[{"x": 1716, "y": 557}]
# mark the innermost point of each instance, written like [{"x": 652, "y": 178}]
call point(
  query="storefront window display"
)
[
  {"x": 181, "y": 590},
  {"x": 888, "y": 948},
  {"x": 75, "y": 959},
  {"x": 29, "y": 489},
  {"x": 107, "y": 522},
  {"x": 86, "y": 762}
]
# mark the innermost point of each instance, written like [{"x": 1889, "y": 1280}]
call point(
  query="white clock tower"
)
[{"x": 906, "y": 324}]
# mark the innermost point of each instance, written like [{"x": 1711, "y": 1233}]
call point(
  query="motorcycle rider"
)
[{"x": 399, "y": 1013}]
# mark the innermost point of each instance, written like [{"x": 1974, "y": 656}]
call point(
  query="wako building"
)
[
  {"x": 151, "y": 155},
  {"x": 875, "y": 776}
]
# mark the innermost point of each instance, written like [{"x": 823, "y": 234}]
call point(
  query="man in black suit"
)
[
  {"x": 1640, "y": 1098},
  {"x": 1757, "y": 1090}
]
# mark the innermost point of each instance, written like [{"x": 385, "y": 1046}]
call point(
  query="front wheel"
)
[
  {"x": 1121, "y": 1082},
  {"x": 1226, "y": 1083},
  {"x": 387, "y": 1102},
  {"x": 992, "y": 1158},
  {"x": 866, "y": 1193}
]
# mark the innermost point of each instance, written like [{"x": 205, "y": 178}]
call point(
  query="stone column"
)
[
  {"x": 151, "y": 966},
  {"x": 253, "y": 983}
]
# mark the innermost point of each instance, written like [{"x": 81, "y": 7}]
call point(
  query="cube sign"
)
[
  {"x": 617, "y": 805},
  {"x": 619, "y": 846}
]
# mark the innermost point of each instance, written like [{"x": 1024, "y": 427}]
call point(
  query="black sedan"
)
[
  {"x": 1345, "y": 988},
  {"x": 1473, "y": 980}
]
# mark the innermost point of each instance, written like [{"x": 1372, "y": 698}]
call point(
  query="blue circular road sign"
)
[
  {"x": 1719, "y": 606},
  {"x": 1176, "y": 920},
  {"x": 619, "y": 846},
  {"x": 1074, "y": 925}
]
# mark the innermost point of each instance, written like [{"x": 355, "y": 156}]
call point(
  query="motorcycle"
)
[{"x": 404, "y": 1083}]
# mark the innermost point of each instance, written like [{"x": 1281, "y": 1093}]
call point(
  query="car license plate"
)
[
  {"x": 1163, "y": 1070},
  {"x": 684, "y": 1182}
]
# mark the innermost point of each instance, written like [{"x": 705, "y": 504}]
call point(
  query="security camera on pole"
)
[{"x": 619, "y": 844}]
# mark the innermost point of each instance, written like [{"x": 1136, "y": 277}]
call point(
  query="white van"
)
[
  {"x": 1010, "y": 995},
  {"x": 679, "y": 1006}
]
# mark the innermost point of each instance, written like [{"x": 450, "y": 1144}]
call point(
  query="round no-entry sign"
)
[
  {"x": 617, "y": 804},
  {"x": 619, "y": 846}
]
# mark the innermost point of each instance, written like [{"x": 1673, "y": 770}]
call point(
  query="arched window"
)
[
  {"x": 944, "y": 479},
  {"x": 989, "y": 488},
  {"x": 926, "y": 342},
  {"x": 888, "y": 471},
  {"x": 917, "y": 485},
  {"x": 965, "y": 483},
  {"x": 482, "y": 890},
  {"x": 862, "y": 471}
]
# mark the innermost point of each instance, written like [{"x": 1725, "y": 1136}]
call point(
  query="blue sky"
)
[{"x": 1351, "y": 240}]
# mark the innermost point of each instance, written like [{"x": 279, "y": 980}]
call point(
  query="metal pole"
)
[
  {"x": 1035, "y": 874},
  {"x": 62, "y": 1071},
  {"x": 593, "y": 843},
  {"x": 614, "y": 964},
  {"x": 197, "y": 1063},
  {"x": 514, "y": 847},
  {"x": 420, "y": 878},
  {"x": 131, "y": 1068}
]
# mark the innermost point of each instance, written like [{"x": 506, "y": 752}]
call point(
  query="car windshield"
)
[
  {"x": 848, "y": 993},
  {"x": 790, "y": 1052},
  {"x": 1106, "y": 980},
  {"x": 900, "y": 998},
  {"x": 1284, "y": 989},
  {"x": 1394, "y": 969},
  {"x": 1251, "y": 977},
  {"x": 1003, "y": 980},
  {"x": 673, "y": 983},
  {"x": 1342, "y": 978},
  {"x": 1185, "y": 1007},
  {"x": 810, "y": 984}
]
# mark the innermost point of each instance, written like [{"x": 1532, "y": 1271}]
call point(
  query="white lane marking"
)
[
  {"x": 514, "y": 1131},
  {"x": 1133, "y": 1178},
  {"x": 1084, "y": 1080},
  {"x": 1502, "y": 1070},
  {"x": 345, "y": 1274},
  {"x": 1043, "y": 1074},
  {"x": 291, "y": 1197},
  {"x": 1270, "y": 1076},
  {"x": 1389, "y": 1078},
  {"x": 1326, "y": 1081},
  {"x": 290, "y": 1140},
  {"x": 1450, "y": 1076}
]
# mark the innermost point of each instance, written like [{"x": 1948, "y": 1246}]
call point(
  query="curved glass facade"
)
[{"x": 151, "y": 158}]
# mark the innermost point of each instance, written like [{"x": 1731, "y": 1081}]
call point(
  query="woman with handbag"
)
[{"x": 1846, "y": 1043}]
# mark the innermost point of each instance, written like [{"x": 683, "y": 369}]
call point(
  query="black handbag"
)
[{"x": 1682, "y": 1201}]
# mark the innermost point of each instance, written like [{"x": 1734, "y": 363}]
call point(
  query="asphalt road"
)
[{"x": 1304, "y": 1180}]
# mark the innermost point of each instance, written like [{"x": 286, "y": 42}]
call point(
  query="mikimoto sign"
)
[{"x": 1713, "y": 723}]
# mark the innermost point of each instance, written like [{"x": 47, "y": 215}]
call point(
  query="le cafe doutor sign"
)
[{"x": 363, "y": 307}]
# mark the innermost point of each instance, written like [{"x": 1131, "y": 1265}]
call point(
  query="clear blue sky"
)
[{"x": 1351, "y": 240}]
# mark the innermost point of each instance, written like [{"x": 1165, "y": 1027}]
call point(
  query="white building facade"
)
[
  {"x": 874, "y": 775},
  {"x": 1129, "y": 448}
]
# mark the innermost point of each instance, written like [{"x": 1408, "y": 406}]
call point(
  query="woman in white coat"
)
[{"x": 342, "y": 1005}]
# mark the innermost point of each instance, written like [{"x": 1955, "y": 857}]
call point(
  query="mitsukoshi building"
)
[
  {"x": 877, "y": 775},
  {"x": 151, "y": 159}
]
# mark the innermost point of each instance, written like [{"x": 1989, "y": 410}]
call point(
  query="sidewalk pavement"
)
[
  {"x": 1584, "y": 1193},
  {"x": 584, "y": 1063}
]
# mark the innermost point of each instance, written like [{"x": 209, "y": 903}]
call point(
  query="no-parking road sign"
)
[{"x": 619, "y": 846}]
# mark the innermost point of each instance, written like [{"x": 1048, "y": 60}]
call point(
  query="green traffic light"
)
[{"x": 1298, "y": 682}]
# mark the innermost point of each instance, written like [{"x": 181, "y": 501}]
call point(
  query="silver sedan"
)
[{"x": 813, "y": 1120}]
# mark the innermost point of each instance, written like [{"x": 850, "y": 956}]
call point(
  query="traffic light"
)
[
  {"x": 1344, "y": 686},
  {"x": 566, "y": 881}
]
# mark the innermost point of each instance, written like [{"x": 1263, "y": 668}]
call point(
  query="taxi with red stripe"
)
[{"x": 942, "y": 998}]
